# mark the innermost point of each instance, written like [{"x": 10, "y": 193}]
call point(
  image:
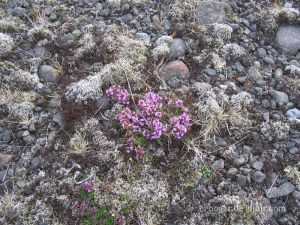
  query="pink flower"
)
[
  {"x": 118, "y": 94},
  {"x": 87, "y": 186}
]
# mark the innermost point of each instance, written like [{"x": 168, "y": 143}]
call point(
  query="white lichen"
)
[
  {"x": 233, "y": 51},
  {"x": 222, "y": 31},
  {"x": 274, "y": 130},
  {"x": 162, "y": 48},
  {"x": 19, "y": 112},
  {"x": 6, "y": 44}
]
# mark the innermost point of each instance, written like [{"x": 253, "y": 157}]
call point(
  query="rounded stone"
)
[
  {"x": 280, "y": 97},
  {"x": 278, "y": 74},
  {"x": 178, "y": 48},
  {"x": 288, "y": 38},
  {"x": 174, "y": 72},
  {"x": 258, "y": 176},
  {"x": 47, "y": 73}
]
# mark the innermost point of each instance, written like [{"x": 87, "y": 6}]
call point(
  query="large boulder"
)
[
  {"x": 288, "y": 38},
  {"x": 209, "y": 12}
]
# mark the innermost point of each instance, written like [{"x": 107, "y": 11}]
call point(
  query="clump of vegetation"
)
[
  {"x": 9, "y": 25},
  {"x": 294, "y": 174},
  {"x": 85, "y": 205},
  {"x": 182, "y": 10},
  {"x": 6, "y": 44},
  {"x": 275, "y": 130},
  {"x": 148, "y": 120},
  {"x": 219, "y": 113},
  {"x": 117, "y": 3}
]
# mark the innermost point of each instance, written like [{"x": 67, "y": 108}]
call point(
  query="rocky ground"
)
[{"x": 234, "y": 63}]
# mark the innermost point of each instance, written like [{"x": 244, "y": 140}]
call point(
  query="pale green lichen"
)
[
  {"x": 293, "y": 173},
  {"x": 9, "y": 25},
  {"x": 6, "y": 44}
]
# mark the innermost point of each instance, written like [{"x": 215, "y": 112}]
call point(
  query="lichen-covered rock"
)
[
  {"x": 23, "y": 79},
  {"x": 162, "y": 48},
  {"x": 20, "y": 111},
  {"x": 233, "y": 51},
  {"x": 222, "y": 31},
  {"x": 275, "y": 130},
  {"x": 85, "y": 89}
]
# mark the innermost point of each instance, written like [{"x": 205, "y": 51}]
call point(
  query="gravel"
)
[{"x": 236, "y": 66}]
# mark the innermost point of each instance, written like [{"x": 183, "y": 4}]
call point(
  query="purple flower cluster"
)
[
  {"x": 153, "y": 117},
  {"x": 118, "y": 94},
  {"x": 136, "y": 149},
  {"x": 83, "y": 195}
]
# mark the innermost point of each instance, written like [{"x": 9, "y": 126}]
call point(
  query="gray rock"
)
[
  {"x": 258, "y": 176},
  {"x": 202, "y": 87},
  {"x": 239, "y": 161},
  {"x": 268, "y": 60},
  {"x": 209, "y": 12},
  {"x": 59, "y": 119},
  {"x": 278, "y": 74},
  {"x": 31, "y": 127},
  {"x": 293, "y": 113},
  {"x": 232, "y": 171},
  {"x": 262, "y": 52},
  {"x": 105, "y": 12},
  {"x": 66, "y": 40},
  {"x": 294, "y": 150},
  {"x": 258, "y": 165},
  {"x": 103, "y": 102},
  {"x": 254, "y": 73},
  {"x": 218, "y": 165},
  {"x": 5, "y": 135},
  {"x": 143, "y": 37},
  {"x": 47, "y": 73},
  {"x": 29, "y": 139},
  {"x": 178, "y": 48},
  {"x": 127, "y": 18},
  {"x": 266, "y": 116},
  {"x": 125, "y": 7},
  {"x": 35, "y": 163},
  {"x": 283, "y": 190},
  {"x": 241, "y": 180},
  {"x": 54, "y": 102},
  {"x": 242, "y": 79},
  {"x": 280, "y": 97},
  {"x": 296, "y": 195},
  {"x": 288, "y": 38},
  {"x": 239, "y": 66},
  {"x": 210, "y": 72}
]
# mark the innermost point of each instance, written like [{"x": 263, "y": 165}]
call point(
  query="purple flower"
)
[
  {"x": 118, "y": 94},
  {"x": 75, "y": 203},
  {"x": 87, "y": 186},
  {"x": 157, "y": 129},
  {"x": 139, "y": 152},
  {"x": 151, "y": 118}
]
